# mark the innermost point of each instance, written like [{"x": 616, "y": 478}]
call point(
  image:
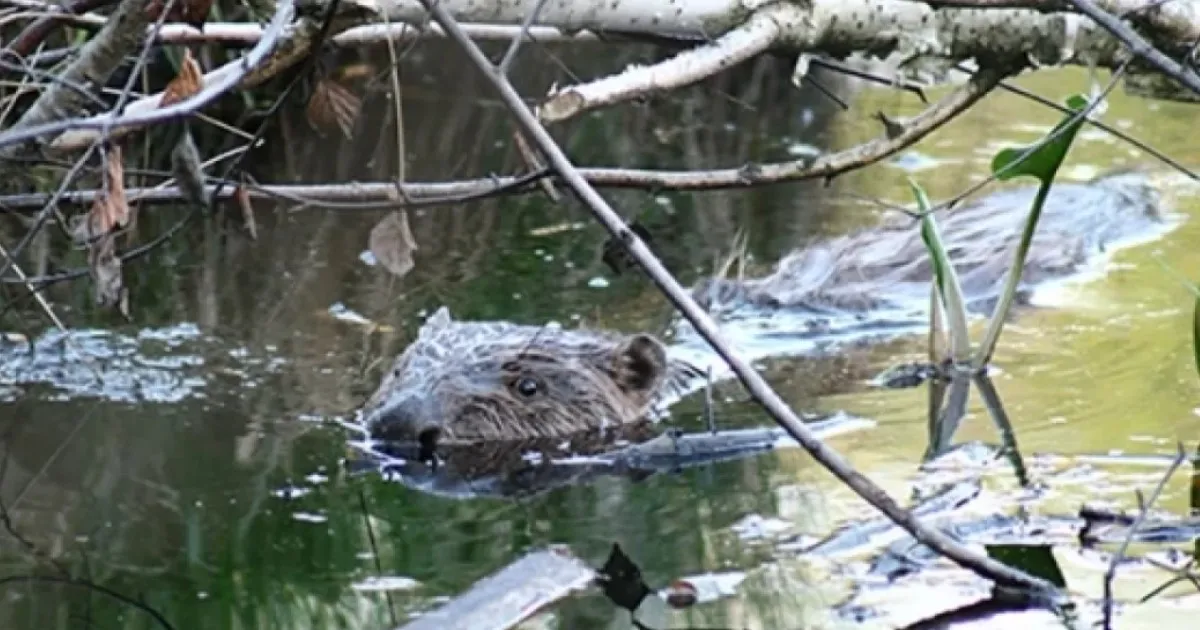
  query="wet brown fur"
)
[
  {"x": 875, "y": 267},
  {"x": 461, "y": 382}
]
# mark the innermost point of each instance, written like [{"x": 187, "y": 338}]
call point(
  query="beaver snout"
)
[{"x": 406, "y": 420}]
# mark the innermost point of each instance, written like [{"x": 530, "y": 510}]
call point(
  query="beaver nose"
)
[{"x": 405, "y": 420}]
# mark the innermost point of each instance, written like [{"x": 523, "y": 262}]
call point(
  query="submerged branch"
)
[{"x": 707, "y": 328}]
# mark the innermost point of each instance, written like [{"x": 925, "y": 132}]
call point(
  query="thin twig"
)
[
  {"x": 1111, "y": 572},
  {"x": 749, "y": 175},
  {"x": 707, "y": 328},
  {"x": 1033, "y": 148},
  {"x": 1159, "y": 155},
  {"x": 310, "y": 61},
  {"x": 516, "y": 41},
  {"x": 37, "y": 293},
  {"x": 362, "y": 502},
  {"x": 284, "y": 11},
  {"x": 69, "y": 179}
]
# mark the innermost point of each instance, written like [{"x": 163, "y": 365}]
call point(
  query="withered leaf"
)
[
  {"x": 333, "y": 106},
  {"x": 117, "y": 206},
  {"x": 110, "y": 209},
  {"x": 392, "y": 243},
  {"x": 90, "y": 225},
  {"x": 105, "y": 268},
  {"x": 186, "y": 83},
  {"x": 242, "y": 195}
]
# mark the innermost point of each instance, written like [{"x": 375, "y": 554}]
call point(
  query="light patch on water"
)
[
  {"x": 758, "y": 527},
  {"x": 291, "y": 492},
  {"x": 309, "y": 517},
  {"x": 316, "y": 479},
  {"x": 1066, "y": 292},
  {"x": 915, "y": 161},
  {"x": 380, "y": 584},
  {"x": 803, "y": 149},
  {"x": 158, "y": 365},
  {"x": 1080, "y": 172},
  {"x": 783, "y": 333}
]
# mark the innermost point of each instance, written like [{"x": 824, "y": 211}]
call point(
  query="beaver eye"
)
[{"x": 527, "y": 386}]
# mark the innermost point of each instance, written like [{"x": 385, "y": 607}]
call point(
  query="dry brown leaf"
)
[
  {"x": 242, "y": 195},
  {"x": 392, "y": 243},
  {"x": 333, "y": 106},
  {"x": 110, "y": 209},
  {"x": 114, "y": 182},
  {"x": 88, "y": 226},
  {"x": 187, "y": 82},
  {"x": 105, "y": 268}
]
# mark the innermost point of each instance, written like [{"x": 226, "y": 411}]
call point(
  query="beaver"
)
[
  {"x": 888, "y": 267},
  {"x": 468, "y": 381}
]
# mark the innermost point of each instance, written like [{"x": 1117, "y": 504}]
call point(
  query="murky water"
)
[{"x": 183, "y": 460}]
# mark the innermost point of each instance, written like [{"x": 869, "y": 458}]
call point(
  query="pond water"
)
[{"x": 190, "y": 464}]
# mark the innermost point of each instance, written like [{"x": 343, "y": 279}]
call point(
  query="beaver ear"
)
[
  {"x": 640, "y": 363},
  {"x": 439, "y": 320}
]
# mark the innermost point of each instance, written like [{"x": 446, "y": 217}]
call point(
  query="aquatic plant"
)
[{"x": 1042, "y": 160}]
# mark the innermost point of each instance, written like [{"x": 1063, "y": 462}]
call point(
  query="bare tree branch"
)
[
  {"x": 97, "y": 61},
  {"x": 1138, "y": 45},
  {"x": 825, "y": 166},
  {"x": 145, "y": 111}
]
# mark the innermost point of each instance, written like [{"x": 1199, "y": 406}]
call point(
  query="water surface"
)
[{"x": 187, "y": 461}]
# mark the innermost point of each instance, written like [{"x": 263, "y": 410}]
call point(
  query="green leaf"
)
[
  {"x": 1196, "y": 332},
  {"x": 1043, "y": 161},
  {"x": 944, "y": 277}
]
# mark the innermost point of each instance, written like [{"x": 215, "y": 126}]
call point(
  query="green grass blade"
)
[
  {"x": 1196, "y": 332},
  {"x": 1043, "y": 163},
  {"x": 944, "y": 277}
]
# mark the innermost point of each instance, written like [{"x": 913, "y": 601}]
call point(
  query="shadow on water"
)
[{"x": 184, "y": 461}]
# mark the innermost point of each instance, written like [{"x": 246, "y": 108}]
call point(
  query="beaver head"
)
[{"x": 464, "y": 382}]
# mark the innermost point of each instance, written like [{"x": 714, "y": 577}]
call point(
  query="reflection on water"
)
[{"x": 195, "y": 473}]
